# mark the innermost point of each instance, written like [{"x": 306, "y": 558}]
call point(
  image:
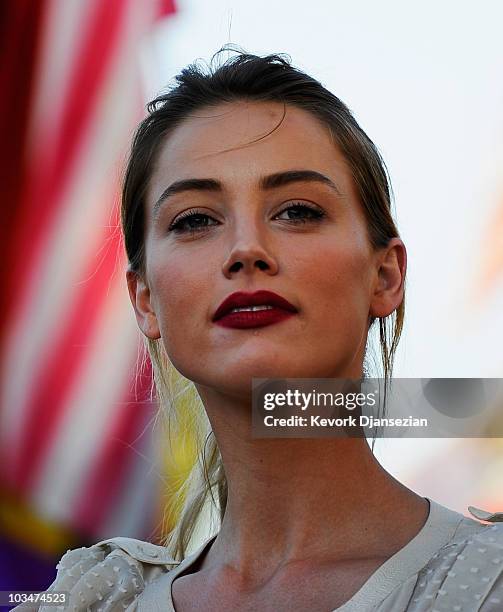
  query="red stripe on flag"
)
[
  {"x": 20, "y": 33},
  {"x": 20, "y": 29},
  {"x": 166, "y": 7}
]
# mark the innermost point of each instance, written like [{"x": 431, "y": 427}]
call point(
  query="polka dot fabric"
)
[
  {"x": 107, "y": 576},
  {"x": 465, "y": 576},
  {"x": 454, "y": 563}
]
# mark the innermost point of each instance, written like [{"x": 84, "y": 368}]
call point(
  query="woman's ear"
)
[
  {"x": 388, "y": 289},
  {"x": 139, "y": 294}
]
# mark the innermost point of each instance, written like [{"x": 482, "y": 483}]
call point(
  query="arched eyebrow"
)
[{"x": 271, "y": 181}]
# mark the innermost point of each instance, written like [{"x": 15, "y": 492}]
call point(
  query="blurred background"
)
[{"x": 80, "y": 458}]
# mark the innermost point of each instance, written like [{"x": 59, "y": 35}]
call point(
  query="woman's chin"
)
[{"x": 236, "y": 379}]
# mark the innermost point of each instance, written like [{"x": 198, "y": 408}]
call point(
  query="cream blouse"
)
[{"x": 453, "y": 563}]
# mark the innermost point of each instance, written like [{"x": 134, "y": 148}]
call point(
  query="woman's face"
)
[{"x": 302, "y": 237}]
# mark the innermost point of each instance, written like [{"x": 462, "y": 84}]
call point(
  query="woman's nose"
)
[{"x": 248, "y": 254}]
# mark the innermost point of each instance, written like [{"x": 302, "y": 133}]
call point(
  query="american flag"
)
[{"x": 71, "y": 408}]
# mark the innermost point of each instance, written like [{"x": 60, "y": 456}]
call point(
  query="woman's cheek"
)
[
  {"x": 337, "y": 291},
  {"x": 182, "y": 296}
]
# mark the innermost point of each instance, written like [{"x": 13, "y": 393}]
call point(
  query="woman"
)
[{"x": 253, "y": 177}]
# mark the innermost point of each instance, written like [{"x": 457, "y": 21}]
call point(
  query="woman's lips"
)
[
  {"x": 246, "y": 319},
  {"x": 254, "y": 300}
]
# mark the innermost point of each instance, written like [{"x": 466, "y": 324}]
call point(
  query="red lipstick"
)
[{"x": 273, "y": 308}]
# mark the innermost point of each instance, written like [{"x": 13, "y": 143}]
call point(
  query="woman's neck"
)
[{"x": 293, "y": 498}]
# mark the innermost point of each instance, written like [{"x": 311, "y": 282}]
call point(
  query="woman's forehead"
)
[
  {"x": 234, "y": 124},
  {"x": 245, "y": 140}
]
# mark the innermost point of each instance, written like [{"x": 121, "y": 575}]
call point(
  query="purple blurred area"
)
[{"x": 23, "y": 569}]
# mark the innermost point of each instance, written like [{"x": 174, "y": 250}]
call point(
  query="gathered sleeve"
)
[{"x": 107, "y": 576}]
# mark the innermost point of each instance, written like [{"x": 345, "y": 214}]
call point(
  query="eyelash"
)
[{"x": 190, "y": 214}]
